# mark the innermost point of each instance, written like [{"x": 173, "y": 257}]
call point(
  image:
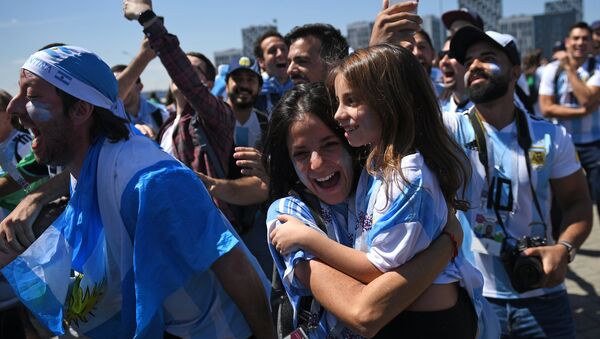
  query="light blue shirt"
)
[
  {"x": 552, "y": 156},
  {"x": 583, "y": 129}
]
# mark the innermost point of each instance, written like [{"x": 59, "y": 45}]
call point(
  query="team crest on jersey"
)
[{"x": 537, "y": 155}]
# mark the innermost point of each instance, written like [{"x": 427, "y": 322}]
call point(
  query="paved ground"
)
[{"x": 583, "y": 285}]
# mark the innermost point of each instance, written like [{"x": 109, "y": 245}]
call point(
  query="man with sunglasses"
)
[{"x": 454, "y": 98}]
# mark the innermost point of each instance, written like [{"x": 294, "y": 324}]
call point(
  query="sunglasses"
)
[{"x": 442, "y": 54}]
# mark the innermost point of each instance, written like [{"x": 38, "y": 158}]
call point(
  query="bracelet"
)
[{"x": 454, "y": 243}]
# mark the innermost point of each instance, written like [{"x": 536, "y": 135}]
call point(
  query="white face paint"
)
[
  {"x": 38, "y": 111},
  {"x": 492, "y": 68}
]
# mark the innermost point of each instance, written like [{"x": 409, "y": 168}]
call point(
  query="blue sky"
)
[{"x": 201, "y": 25}]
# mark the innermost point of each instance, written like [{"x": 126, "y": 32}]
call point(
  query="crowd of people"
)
[{"x": 306, "y": 191}]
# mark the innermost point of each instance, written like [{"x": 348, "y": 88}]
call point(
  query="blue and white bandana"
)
[{"x": 80, "y": 73}]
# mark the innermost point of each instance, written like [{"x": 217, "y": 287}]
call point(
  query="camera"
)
[{"x": 525, "y": 273}]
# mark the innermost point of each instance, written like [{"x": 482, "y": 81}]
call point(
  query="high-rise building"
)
[
  {"x": 225, "y": 56},
  {"x": 522, "y": 27},
  {"x": 359, "y": 34},
  {"x": 250, "y": 34},
  {"x": 552, "y": 27},
  {"x": 489, "y": 10},
  {"x": 537, "y": 31},
  {"x": 561, "y": 6},
  {"x": 436, "y": 30}
]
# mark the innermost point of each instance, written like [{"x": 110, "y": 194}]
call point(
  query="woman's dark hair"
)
[
  {"x": 303, "y": 99},
  {"x": 391, "y": 81},
  {"x": 105, "y": 122}
]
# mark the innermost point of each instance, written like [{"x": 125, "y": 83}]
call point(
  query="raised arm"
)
[
  {"x": 216, "y": 116},
  {"x": 395, "y": 24},
  {"x": 129, "y": 76}
]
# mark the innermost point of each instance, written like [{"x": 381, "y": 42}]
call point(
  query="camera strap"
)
[{"x": 524, "y": 141}]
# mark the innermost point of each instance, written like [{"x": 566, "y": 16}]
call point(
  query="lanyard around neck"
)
[{"x": 524, "y": 140}]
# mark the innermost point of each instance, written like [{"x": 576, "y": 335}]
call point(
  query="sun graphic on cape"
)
[{"x": 80, "y": 303}]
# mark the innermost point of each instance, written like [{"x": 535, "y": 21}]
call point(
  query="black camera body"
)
[{"x": 525, "y": 273}]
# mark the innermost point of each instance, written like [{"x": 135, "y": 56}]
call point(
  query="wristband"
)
[
  {"x": 146, "y": 16},
  {"x": 454, "y": 244}
]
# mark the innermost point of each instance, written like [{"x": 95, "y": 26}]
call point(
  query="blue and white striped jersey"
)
[
  {"x": 336, "y": 219},
  {"x": 584, "y": 129}
]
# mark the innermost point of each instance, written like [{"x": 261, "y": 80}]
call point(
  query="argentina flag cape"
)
[{"x": 139, "y": 229}]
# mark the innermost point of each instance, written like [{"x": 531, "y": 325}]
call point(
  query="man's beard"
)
[
  {"x": 495, "y": 87},
  {"x": 242, "y": 104}
]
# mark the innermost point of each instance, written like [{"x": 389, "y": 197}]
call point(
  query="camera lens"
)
[{"x": 528, "y": 272}]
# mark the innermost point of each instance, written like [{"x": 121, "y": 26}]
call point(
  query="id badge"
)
[{"x": 486, "y": 236}]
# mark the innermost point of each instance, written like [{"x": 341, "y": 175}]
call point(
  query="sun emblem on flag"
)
[{"x": 81, "y": 303}]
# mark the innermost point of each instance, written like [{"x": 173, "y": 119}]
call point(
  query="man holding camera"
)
[{"x": 519, "y": 163}]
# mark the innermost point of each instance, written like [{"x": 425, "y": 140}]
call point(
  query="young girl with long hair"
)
[{"x": 413, "y": 172}]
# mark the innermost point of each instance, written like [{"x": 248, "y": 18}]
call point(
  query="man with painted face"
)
[
  {"x": 518, "y": 163},
  {"x": 133, "y": 212}
]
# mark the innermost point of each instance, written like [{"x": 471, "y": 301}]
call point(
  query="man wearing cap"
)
[
  {"x": 519, "y": 163},
  {"x": 459, "y": 18},
  {"x": 570, "y": 92},
  {"x": 243, "y": 83}
]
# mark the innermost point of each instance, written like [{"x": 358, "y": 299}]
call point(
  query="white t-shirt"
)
[
  {"x": 583, "y": 129},
  {"x": 552, "y": 156},
  {"x": 166, "y": 143},
  {"x": 249, "y": 133}
]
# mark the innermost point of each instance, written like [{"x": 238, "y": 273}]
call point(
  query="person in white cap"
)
[
  {"x": 519, "y": 163},
  {"x": 149, "y": 250}
]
